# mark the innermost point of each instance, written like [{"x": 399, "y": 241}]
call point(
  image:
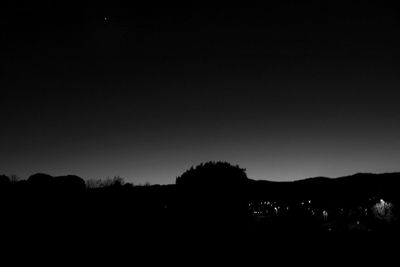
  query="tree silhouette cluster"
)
[
  {"x": 212, "y": 175},
  {"x": 214, "y": 198}
]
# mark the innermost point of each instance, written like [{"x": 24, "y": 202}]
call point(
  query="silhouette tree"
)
[
  {"x": 4, "y": 180},
  {"x": 67, "y": 183},
  {"x": 70, "y": 184},
  {"x": 212, "y": 175},
  {"x": 40, "y": 182},
  {"x": 213, "y": 194},
  {"x": 4, "y": 185},
  {"x": 14, "y": 178},
  {"x": 116, "y": 181}
]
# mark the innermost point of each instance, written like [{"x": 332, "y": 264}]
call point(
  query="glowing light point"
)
[
  {"x": 325, "y": 214},
  {"x": 383, "y": 210}
]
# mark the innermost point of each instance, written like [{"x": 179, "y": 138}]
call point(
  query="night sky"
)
[{"x": 287, "y": 91}]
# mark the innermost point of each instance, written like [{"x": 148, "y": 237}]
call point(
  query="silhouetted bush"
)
[
  {"x": 4, "y": 180},
  {"x": 4, "y": 185},
  {"x": 14, "y": 178},
  {"x": 116, "y": 181},
  {"x": 70, "y": 184},
  {"x": 59, "y": 184},
  {"x": 213, "y": 194},
  {"x": 213, "y": 174},
  {"x": 40, "y": 179}
]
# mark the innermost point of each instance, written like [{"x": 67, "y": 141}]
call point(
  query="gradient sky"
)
[{"x": 286, "y": 91}]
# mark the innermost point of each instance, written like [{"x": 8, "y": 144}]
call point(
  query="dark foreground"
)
[{"x": 60, "y": 219}]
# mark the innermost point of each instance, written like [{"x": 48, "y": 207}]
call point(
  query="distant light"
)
[
  {"x": 325, "y": 214},
  {"x": 383, "y": 210}
]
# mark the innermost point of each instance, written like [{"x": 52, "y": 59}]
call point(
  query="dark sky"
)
[{"x": 286, "y": 91}]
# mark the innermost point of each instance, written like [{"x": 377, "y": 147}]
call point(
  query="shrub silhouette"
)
[
  {"x": 4, "y": 184},
  {"x": 116, "y": 181},
  {"x": 70, "y": 184},
  {"x": 65, "y": 183},
  {"x": 213, "y": 175},
  {"x": 4, "y": 180},
  {"x": 41, "y": 182},
  {"x": 213, "y": 194},
  {"x": 57, "y": 187}
]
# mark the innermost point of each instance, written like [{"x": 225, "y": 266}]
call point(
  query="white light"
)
[
  {"x": 383, "y": 210},
  {"x": 325, "y": 214}
]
